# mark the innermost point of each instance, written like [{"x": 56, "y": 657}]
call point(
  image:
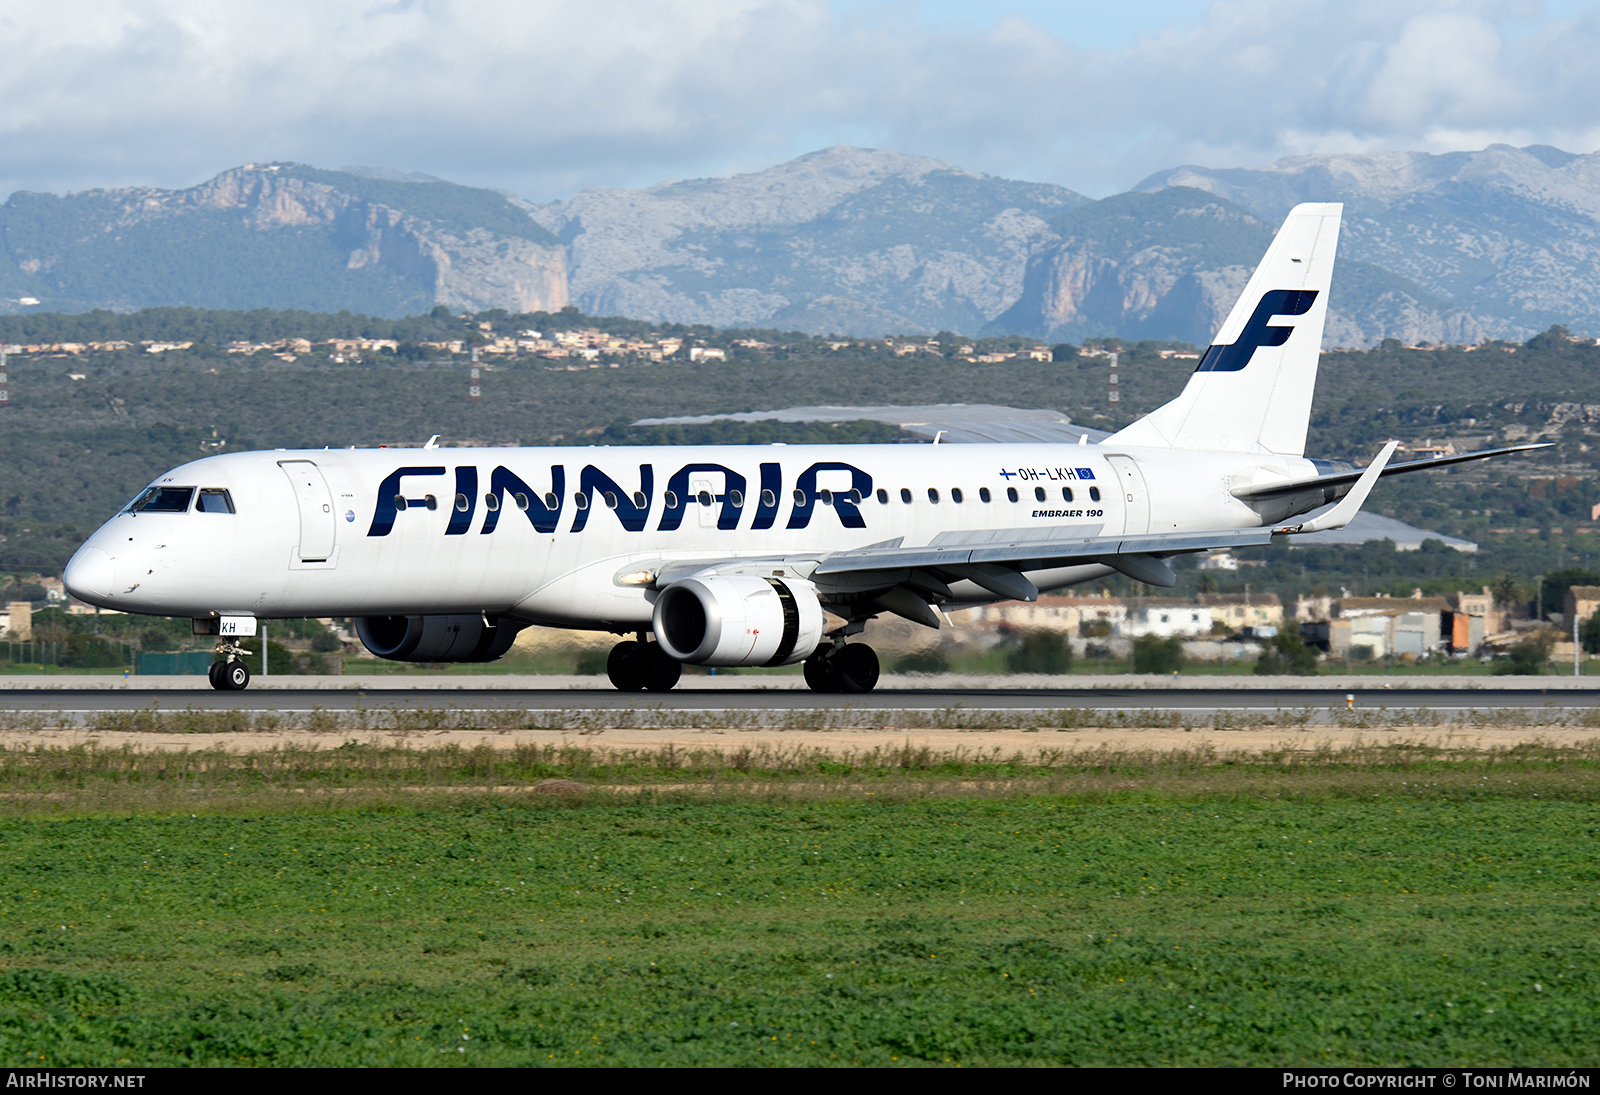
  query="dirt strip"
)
[{"x": 1027, "y": 742}]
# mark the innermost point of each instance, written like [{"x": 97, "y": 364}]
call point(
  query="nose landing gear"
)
[
  {"x": 849, "y": 668},
  {"x": 230, "y": 675}
]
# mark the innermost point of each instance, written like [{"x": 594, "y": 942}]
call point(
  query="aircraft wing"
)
[
  {"x": 1335, "y": 479},
  {"x": 996, "y": 565},
  {"x": 904, "y": 580}
]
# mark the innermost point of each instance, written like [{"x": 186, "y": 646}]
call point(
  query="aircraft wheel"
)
[
  {"x": 234, "y": 676},
  {"x": 625, "y": 667},
  {"x": 857, "y": 668},
  {"x": 822, "y": 673},
  {"x": 214, "y": 674},
  {"x": 660, "y": 671}
]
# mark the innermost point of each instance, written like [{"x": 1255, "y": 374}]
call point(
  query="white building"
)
[{"x": 1166, "y": 617}]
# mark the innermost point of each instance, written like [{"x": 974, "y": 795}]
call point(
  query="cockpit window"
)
[
  {"x": 215, "y": 500},
  {"x": 162, "y": 500}
]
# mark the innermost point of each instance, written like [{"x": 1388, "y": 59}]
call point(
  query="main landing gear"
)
[
  {"x": 639, "y": 666},
  {"x": 230, "y": 675},
  {"x": 843, "y": 668},
  {"x": 642, "y": 667}
]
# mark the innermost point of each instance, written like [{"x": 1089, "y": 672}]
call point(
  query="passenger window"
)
[
  {"x": 163, "y": 500},
  {"x": 1066, "y": 494},
  {"x": 955, "y": 495},
  {"x": 933, "y": 495},
  {"x": 551, "y": 502},
  {"x": 1038, "y": 494},
  {"x": 854, "y": 496},
  {"x": 905, "y": 495},
  {"x": 400, "y": 502},
  {"x": 826, "y": 496},
  {"x": 639, "y": 500},
  {"x": 433, "y": 502},
  {"x": 463, "y": 503},
  {"x": 491, "y": 502},
  {"x": 1094, "y": 493},
  {"x": 215, "y": 500},
  {"x": 1011, "y": 494},
  {"x": 521, "y": 500},
  {"x": 736, "y": 499},
  {"x": 983, "y": 493},
  {"x": 610, "y": 499},
  {"x": 883, "y": 497},
  {"x": 768, "y": 499},
  {"x": 799, "y": 497},
  {"x": 581, "y": 500},
  {"x": 671, "y": 499}
]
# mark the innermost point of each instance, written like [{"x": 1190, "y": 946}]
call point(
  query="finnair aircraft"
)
[{"x": 743, "y": 555}]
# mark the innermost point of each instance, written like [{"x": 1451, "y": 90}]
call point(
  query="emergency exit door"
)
[{"x": 318, "y": 524}]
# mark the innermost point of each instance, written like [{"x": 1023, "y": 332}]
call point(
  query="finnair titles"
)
[{"x": 743, "y": 555}]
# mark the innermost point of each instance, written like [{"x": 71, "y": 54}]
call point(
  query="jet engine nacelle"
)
[
  {"x": 436, "y": 638},
  {"x": 739, "y": 620}
]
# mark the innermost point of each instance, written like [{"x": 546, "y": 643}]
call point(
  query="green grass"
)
[{"x": 1387, "y": 907}]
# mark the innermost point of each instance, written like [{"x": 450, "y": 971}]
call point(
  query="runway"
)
[{"x": 765, "y": 705}]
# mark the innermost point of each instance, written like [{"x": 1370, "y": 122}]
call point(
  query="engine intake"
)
[
  {"x": 436, "y": 638},
  {"x": 739, "y": 620}
]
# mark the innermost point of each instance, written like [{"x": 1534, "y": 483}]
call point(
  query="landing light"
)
[{"x": 637, "y": 578}]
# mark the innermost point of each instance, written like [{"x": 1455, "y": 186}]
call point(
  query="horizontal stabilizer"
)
[
  {"x": 1339, "y": 516},
  {"x": 1295, "y": 486}
]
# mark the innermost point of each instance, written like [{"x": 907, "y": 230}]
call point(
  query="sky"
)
[{"x": 543, "y": 99}]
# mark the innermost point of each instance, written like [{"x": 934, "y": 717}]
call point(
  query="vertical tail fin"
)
[{"x": 1252, "y": 390}]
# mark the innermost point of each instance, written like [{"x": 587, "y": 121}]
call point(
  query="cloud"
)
[{"x": 544, "y": 98}]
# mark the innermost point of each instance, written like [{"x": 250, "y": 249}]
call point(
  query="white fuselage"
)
[{"x": 319, "y": 532}]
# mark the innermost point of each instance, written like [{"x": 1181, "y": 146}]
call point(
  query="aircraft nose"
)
[{"x": 88, "y": 576}]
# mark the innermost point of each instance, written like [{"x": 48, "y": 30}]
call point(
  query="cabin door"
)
[{"x": 318, "y": 523}]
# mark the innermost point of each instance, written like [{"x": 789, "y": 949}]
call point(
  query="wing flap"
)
[{"x": 1038, "y": 555}]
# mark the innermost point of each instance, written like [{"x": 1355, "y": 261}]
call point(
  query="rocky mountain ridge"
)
[
  {"x": 1510, "y": 236},
  {"x": 846, "y": 239},
  {"x": 284, "y": 236},
  {"x": 1452, "y": 248}
]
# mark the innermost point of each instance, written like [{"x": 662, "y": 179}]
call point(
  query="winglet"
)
[{"x": 1340, "y": 516}]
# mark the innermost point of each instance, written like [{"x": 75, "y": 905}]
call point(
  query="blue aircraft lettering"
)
[
  {"x": 678, "y": 494},
  {"x": 388, "y": 492},
  {"x": 632, "y": 516},
  {"x": 545, "y": 516},
  {"x": 503, "y": 482},
  {"x": 806, "y": 495}
]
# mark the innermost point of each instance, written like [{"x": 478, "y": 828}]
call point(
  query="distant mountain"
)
[
  {"x": 851, "y": 240},
  {"x": 1170, "y": 264},
  {"x": 1451, "y": 248},
  {"x": 280, "y": 236},
  {"x": 1509, "y": 237}
]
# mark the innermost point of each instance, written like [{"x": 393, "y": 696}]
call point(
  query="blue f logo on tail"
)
[{"x": 1256, "y": 333}]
